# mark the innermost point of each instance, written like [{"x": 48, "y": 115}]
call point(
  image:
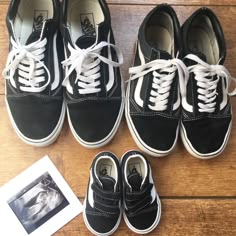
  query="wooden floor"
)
[{"x": 198, "y": 197}]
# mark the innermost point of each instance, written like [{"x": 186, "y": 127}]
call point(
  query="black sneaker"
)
[
  {"x": 142, "y": 206},
  {"x": 34, "y": 96},
  {"x": 207, "y": 115},
  {"x": 102, "y": 206},
  {"x": 94, "y": 87},
  {"x": 153, "y": 99}
]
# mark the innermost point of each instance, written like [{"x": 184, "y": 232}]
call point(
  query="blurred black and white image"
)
[{"x": 38, "y": 202}]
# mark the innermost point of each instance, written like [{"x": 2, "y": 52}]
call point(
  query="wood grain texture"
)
[
  {"x": 181, "y": 180},
  {"x": 179, "y": 174},
  {"x": 173, "y": 2},
  {"x": 179, "y": 218}
]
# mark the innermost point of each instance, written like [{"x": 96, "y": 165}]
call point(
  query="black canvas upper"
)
[
  {"x": 104, "y": 216},
  {"x": 140, "y": 210},
  {"x": 36, "y": 114},
  {"x": 155, "y": 130},
  {"x": 206, "y": 132},
  {"x": 93, "y": 116}
]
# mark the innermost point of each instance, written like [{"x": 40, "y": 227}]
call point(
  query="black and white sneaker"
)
[
  {"x": 94, "y": 87},
  {"x": 142, "y": 206},
  {"x": 34, "y": 95},
  {"x": 207, "y": 115},
  {"x": 153, "y": 100},
  {"x": 102, "y": 206}
]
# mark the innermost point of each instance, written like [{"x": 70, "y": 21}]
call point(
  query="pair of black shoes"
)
[
  {"x": 78, "y": 34},
  {"x": 179, "y": 83},
  {"x": 115, "y": 188}
]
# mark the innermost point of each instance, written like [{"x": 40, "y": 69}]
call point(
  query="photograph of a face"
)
[{"x": 38, "y": 202}]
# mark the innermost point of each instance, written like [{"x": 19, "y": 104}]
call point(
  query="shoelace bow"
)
[
  {"x": 164, "y": 72},
  {"x": 137, "y": 201},
  {"x": 207, "y": 83},
  {"x": 28, "y": 60},
  {"x": 86, "y": 63},
  {"x": 106, "y": 201}
]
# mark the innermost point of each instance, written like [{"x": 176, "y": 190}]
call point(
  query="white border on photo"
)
[{"x": 9, "y": 223}]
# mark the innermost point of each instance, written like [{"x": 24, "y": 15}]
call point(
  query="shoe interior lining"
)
[
  {"x": 136, "y": 164},
  {"x": 30, "y": 17},
  {"x": 160, "y": 32},
  {"x": 106, "y": 167},
  {"x": 83, "y": 16},
  {"x": 201, "y": 38}
]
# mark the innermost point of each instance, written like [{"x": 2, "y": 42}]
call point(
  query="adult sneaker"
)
[
  {"x": 153, "y": 100},
  {"x": 142, "y": 206},
  {"x": 94, "y": 87},
  {"x": 207, "y": 114},
  {"x": 34, "y": 95},
  {"x": 102, "y": 206}
]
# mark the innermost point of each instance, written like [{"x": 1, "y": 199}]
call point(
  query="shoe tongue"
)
[
  {"x": 108, "y": 182},
  {"x": 35, "y": 35},
  {"x": 153, "y": 51},
  {"x": 85, "y": 41},
  {"x": 161, "y": 54},
  {"x": 200, "y": 55},
  {"x": 135, "y": 181}
]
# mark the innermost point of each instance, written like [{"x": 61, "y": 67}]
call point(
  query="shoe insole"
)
[
  {"x": 159, "y": 37},
  {"x": 199, "y": 40},
  {"x": 83, "y": 16},
  {"x": 134, "y": 165},
  {"x": 105, "y": 167},
  {"x": 30, "y": 17}
]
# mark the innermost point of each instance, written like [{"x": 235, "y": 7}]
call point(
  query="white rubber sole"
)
[
  {"x": 197, "y": 154},
  {"x": 95, "y": 232},
  {"x": 105, "y": 140},
  {"x": 140, "y": 143},
  {"x": 40, "y": 142}
]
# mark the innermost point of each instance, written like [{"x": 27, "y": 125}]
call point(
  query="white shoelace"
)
[
  {"x": 206, "y": 82},
  {"x": 28, "y": 59},
  {"x": 86, "y": 63},
  {"x": 164, "y": 72}
]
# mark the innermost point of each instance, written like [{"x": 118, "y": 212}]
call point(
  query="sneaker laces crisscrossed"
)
[
  {"x": 164, "y": 72},
  {"x": 28, "y": 60},
  {"x": 207, "y": 77},
  {"x": 86, "y": 63}
]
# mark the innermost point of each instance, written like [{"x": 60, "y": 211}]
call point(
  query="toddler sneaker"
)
[
  {"x": 207, "y": 113},
  {"x": 102, "y": 206},
  {"x": 94, "y": 87},
  {"x": 142, "y": 206},
  {"x": 34, "y": 96},
  {"x": 153, "y": 100}
]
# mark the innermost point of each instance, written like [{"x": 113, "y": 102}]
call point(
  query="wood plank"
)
[
  {"x": 173, "y": 2},
  {"x": 179, "y": 218},
  {"x": 126, "y": 21},
  {"x": 4, "y": 44},
  {"x": 179, "y": 174}
]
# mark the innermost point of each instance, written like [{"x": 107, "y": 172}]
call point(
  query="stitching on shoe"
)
[
  {"x": 135, "y": 105},
  {"x": 154, "y": 114},
  {"x": 93, "y": 99},
  {"x": 213, "y": 117},
  {"x": 34, "y": 95},
  {"x": 98, "y": 213}
]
